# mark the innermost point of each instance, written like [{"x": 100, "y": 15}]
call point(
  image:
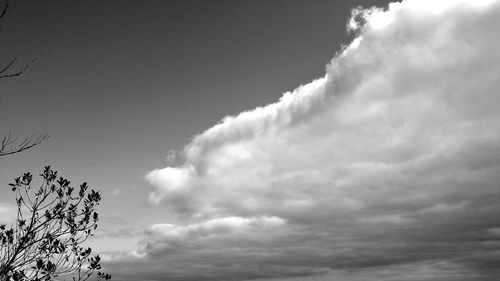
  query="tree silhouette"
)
[{"x": 45, "y": 241}]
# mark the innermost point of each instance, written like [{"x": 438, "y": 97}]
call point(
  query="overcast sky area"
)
[{"x": 270, "y": 140}]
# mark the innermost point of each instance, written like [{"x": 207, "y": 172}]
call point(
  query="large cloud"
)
[{"x": 389, "y": 163}]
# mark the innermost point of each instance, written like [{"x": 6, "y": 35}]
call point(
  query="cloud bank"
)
[{"x": 386, "y": 168}]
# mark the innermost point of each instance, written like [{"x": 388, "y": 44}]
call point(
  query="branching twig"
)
[
  {"x": 4, "y": 72},
  {"x": 46, "y": 243},
  {"x": 5, "y": 7},
  {"x": 10, "y": 144}
]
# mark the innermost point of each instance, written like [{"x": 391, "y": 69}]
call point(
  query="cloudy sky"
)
[{"x": 269, "y": 139}]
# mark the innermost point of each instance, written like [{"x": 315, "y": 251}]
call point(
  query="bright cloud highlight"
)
[{"x": 391, "y": 160}]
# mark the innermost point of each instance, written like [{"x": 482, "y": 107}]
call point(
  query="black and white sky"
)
[{"x": 268, "y": 139}]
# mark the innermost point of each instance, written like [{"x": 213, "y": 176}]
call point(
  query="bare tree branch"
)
[
  {"x": 10, "y": 144},
  {"x": 5, "y": 7},
  {"x": 8, "y": 65},
  {"x": 7, "y": 72},
  {"x": 4, "y": 74}
]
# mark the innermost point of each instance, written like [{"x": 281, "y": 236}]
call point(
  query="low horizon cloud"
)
[{"x": 386, "y": 168}]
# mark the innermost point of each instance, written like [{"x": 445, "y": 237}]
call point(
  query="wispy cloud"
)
[{"x": 389, "y": 163}]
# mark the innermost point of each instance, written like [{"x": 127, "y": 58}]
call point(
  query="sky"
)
[{"x": 268, "y": 140}]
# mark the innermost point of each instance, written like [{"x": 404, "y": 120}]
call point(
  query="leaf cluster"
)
[{"x": 45, "y": 241}]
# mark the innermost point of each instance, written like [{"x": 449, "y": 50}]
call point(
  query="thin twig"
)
[{"x": 9, "y": 144}]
